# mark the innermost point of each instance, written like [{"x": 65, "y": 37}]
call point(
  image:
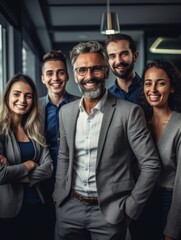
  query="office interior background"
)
[{"x": 30, "y": 28}]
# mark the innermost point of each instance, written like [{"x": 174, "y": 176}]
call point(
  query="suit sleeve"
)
[
  {"x": 63, "y": 154},
  {"x": 61, "y": 182},
  {"x": 45, "y": 168},
  {"x": 148, "y": 161},
  {"x": 173, "y": 226},
  {"x": 12, "y": 173}
]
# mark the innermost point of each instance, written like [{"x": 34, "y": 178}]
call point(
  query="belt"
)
[{"x": 84, "y": 199}]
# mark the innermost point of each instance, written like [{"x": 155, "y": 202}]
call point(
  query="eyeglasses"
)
[{"x": 82, "y": 71}]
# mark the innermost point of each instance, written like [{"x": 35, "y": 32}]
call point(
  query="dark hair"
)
[
  {"x": 55, "y": 55},
  {"x": 174, "y": 75},
  {"x": 120, "y": 36}
]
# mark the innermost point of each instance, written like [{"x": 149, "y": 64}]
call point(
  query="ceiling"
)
[{"x": 65, "y": 21}]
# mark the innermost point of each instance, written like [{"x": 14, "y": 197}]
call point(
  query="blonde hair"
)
[{"x": 31, "y": 123}]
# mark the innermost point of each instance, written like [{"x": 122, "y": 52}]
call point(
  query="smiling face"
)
[
  {"x": 121, "y": 59},
  {"x": 92, "y": 84},
  {"x": 20, "y": 98},
  {"x": 157, "y": 87},
  {"x": 55, "y": 77}
]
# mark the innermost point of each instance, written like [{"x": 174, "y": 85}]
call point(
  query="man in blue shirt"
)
[
  {"x": 54, "y": 77},
  {"x": 122, "y": 54}
]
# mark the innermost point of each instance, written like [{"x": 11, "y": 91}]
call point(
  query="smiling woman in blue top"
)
[{"x": 24, "y": 163}]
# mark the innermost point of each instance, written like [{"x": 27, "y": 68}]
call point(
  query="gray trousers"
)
[{"x": 80, "y": 221}]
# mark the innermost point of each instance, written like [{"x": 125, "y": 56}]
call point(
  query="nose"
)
[
  {"x": 89, "y": 73},
  {"x": 153, "y": 88},
  {"x": 118, "y": 59},
  {"x": 55, "y": 75},
  {"x": 22, "y": 98}
]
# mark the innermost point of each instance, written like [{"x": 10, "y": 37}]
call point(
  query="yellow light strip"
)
[{"x": 154, "y": 49}]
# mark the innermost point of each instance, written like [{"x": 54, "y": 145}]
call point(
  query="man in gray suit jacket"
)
[
  {"x": 54, "y": 77},
  {"x": 95, "y": 193}
]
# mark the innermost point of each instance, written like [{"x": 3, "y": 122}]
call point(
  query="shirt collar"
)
[
  {"x": 136, "y": 82},
  {"x": 99, "y": 106},
  {"x": 64, "y": 100}
]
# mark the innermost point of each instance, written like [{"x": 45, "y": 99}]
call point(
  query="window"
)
[
  {"x": 3, "y": 66},
  {"x": 28, "y": 61},
  {"x": 1, "y": 70}
]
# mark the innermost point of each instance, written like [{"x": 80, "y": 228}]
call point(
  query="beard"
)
[
  {"x": 95, "y": 92},
  {"x": 125, "y": 75}
]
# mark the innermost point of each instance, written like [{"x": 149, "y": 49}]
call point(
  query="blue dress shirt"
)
[
  {"x": 27, "y": 153},
  {"x": 52, "y": 126},
  {"x": 133, "y": 93}
]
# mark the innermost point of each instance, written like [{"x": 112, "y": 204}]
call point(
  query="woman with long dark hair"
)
[{"x": 161, "y": 101}]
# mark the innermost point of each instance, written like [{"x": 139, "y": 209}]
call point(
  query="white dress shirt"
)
[{"x": 86, "y": 143}]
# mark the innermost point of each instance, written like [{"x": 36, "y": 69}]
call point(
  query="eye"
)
[
  {"x": 97, "y": 68},
  {"x": 111, "y": 56},
  {"x": 161, "y": 83},
  {"x": 49, "y": 74},
  {"x": 147, "y": 83},
  {"x": 29, "y": 96},
  {"x": 16, "y": 94},
  {"x": 82, "y": 70},
  {"x": 61, "y": 72},
  {"x": 126, "y": 53}
]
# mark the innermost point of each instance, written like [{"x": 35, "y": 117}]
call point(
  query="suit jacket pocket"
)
[{"x": 123, "y": 186}]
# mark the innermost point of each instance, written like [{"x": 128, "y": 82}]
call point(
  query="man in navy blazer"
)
[{"x": 95, "y": 194}]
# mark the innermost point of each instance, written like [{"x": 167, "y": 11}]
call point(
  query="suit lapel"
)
[
  {"x": 109, "y": 109},
  {"x": 72, "y": 122},
  {"x": 42, "y": 106}
]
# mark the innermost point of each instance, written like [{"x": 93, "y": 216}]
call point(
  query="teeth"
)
[
  {"x": 154, "y": 98},
  {"x": 20, "y": 106},
  {"x": 56, "y": 85},
  {"x": 90, "y": 84}
]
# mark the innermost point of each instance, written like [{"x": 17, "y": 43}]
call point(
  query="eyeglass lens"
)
[{"x": 82, "y": 71}]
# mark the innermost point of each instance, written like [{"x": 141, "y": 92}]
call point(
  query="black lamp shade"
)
[{"x": 109, "y": 23}]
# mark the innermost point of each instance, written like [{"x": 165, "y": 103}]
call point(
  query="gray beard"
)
[{"x": 93, "y": 93}]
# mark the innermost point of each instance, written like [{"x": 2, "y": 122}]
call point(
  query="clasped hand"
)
[{"x": 3, "y": 161}]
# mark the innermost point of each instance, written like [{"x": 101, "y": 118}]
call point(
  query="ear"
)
[
  {"x": 67, "y": 77},
  {"x": 42, "y": 79},
  {"x": 135, "y": 56},
  {"x": 106, "y": 73},
  {"x": 75, "y": 77}
]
